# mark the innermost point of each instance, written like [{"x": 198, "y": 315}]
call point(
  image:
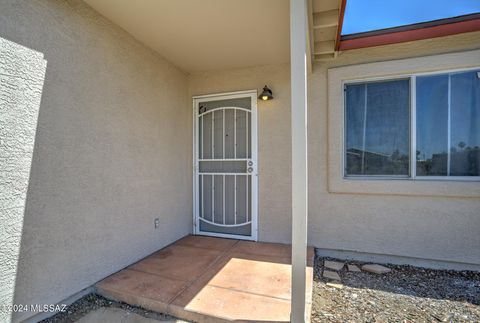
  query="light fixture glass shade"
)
[{"x": 266, "y": 94}]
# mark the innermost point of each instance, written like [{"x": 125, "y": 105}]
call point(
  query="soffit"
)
[
  {"x": 208, "y": 34},
  {"x": 326, "y": 23}
]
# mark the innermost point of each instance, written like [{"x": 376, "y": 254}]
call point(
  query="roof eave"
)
[
  {"x": 341, "y": 16},
  {"x": 427, "y": 30}
]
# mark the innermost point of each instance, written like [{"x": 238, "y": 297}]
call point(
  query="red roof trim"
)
[
  {"x": 444, "y": 27},
  {"x": 341, "y": 15}
]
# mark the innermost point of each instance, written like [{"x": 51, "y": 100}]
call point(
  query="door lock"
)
[{"x": 250, "y": 169}]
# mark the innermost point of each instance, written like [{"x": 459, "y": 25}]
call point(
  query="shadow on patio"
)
[{"x": 211, "y": 279}]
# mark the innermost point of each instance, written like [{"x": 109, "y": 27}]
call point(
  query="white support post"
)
[{"x": 298, "y": 62}]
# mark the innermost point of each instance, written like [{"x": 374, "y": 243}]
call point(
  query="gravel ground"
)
[
  {"x": 92, "y": 302},
  {"x": 406, "y": 294}
]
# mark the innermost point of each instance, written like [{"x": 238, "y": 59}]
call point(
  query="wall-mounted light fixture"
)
[{"x": 266, "y": 94}]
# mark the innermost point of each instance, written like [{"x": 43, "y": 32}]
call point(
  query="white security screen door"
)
[{"x": 225, "y": 165}]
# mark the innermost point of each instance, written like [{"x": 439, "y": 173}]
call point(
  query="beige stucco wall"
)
[
  {"x": 445, "y": 229},
  {"x": 436, "y": 227},
  {"x": 274, "y": 161},
  {"x": 111, "y": 151},
  {"x": 22, "y": 71}
]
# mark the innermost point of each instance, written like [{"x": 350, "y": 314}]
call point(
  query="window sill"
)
[
  {"x": 405, "y": 186},
  {"x": 466, "y": 179}
]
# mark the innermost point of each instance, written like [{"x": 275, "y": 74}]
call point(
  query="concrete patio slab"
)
[
  {"x": 208, "y": 279},
  {"x": 139, "y": 285},
  {"x": 263, "y": 249},
  {"x": 206, "y": 242},
  {"x": 223, "y": 304},
  {"x": 179, "y": 264}
]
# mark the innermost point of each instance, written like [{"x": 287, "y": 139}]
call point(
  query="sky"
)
[{"x": 366, "y": 15}]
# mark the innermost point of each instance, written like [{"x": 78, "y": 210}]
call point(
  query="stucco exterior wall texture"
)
[
  {"x": 22, "y": 72},
  {"x": 111, "y": 151},
  {"x": 438, "y": 228}
]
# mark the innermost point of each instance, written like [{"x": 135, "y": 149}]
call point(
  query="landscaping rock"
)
[
  {"x": 339, "y": 286},
  {"x": 335, "y": 265},
  {"x": 95, "y": 308},
  {"x": 331, "y": 275},
  {"x": 407, "y": 294},
  {"x": 113, "y": 315},
  {"x": 353, "y": 268},
  {"x": 376, "y": 269}
]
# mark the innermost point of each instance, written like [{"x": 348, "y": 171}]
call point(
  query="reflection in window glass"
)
[
  {"x": 465, "y": 124},
  {"x": 448, "y": 104},
  {"x": 432, "y": 120},
  {"x": 377, "y": 128}
]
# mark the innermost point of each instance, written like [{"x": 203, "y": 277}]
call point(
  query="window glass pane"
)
[
  {"x": 432, "y": 122},
  {"x": 465, "y": 124},
  {"x": 377, "y": 128},
  {"x": 355, "y": 104},
  {"x": 439, "y": 116}
]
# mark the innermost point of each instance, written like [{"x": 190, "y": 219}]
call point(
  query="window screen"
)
[
  {"x": 377, "y": 128},
  {"x": 448, "y": 124}
]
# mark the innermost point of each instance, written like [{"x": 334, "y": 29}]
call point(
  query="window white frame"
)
[{"x": 412, "y": 77}]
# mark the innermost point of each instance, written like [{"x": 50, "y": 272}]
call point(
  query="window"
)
[
  {"x": 448, "y": 125},
  {"x": 379, "y": 118}
]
